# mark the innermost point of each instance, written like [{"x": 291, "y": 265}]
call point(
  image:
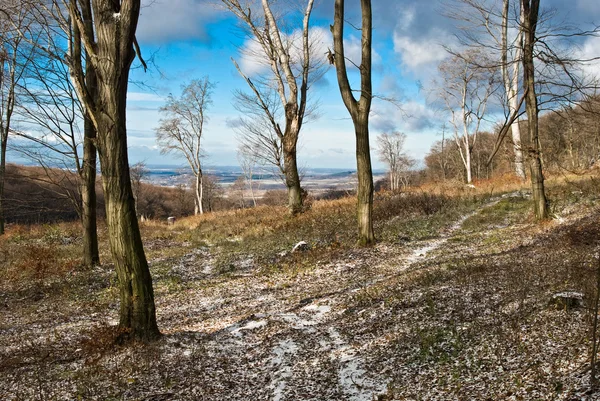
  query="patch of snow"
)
[
  {"x": 283, "y": 351},
  {"x": 251, "y": 325}
]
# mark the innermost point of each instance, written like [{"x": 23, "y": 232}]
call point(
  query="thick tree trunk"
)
[
  {"x": 530, "y": 8},
  {"x": 137, "y": 311},
  {"x": 366, "y": 235},
  {"x": 91, "y": 256},
  {"x": 292, "y": 179}
]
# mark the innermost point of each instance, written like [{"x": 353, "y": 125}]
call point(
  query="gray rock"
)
[
  {"x": 567, "y": 300},
  {"x": 301, "y": 246}
]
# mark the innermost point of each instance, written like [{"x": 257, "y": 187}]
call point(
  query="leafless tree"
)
[
  {"x": 138, "y": 172},
  {"x": 465, "y": 90},
  {"x": 293, "y": 68},
  {"x": 491, "y": 27},
  {"x": 359, "y": 111},
  {"x": 105, "y": 31},
  {"x": 248, "y": 163},
  {"x": 255, "y": 133},
  {"x": 52, "y": 119},
  {"x": 391, "y": 152},
  {"x": 14, "y": 53},
  {"x": 181, "y": 130}
]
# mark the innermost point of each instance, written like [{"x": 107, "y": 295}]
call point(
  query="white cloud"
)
[
  {"x": 422, "y": 52},
  {"x": 162, "y": 21},
  {"x": 589, "y": 51}
]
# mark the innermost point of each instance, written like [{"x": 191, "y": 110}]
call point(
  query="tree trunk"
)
[
  {"x": 114, "y": 58},
  {"x": 3, "y": 139},
  {"x": 91, "y": 254},
  {"x": 366, "y": 235},
  {"x": 468, "y": 166},
  {"x": 137, "y": 311},
  {"x": 530, "y": 9},
  {"x": 198, "y": 195},
  {"x": 292, "y": 179},
  {"x": 519, "y": 159}
]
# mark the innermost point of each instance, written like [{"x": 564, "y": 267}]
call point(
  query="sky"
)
[{"x": 189, "y": 39}]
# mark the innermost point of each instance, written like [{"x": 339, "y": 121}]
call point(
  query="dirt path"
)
[{"x": 298, "y": 350}]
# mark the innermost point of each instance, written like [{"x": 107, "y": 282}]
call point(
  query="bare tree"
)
[
  {"x": 359, "y": 111},
  {"x": 511, "y": 82},
  {"x": 105, "y": 31},
  {"x": 255, "y": 133},
  {"x": 51, "y": 115},
  {"x": 490, "y": 27},
  {"x": 291, "y": 74},
  {"x": 181, "y": 130},
  {"x": 247, "y": 158},
  {"x": 465, "y": 90},
  {"x": 138, "y": 173},
  {"x": 391, "y": 152},
  {"x": 14, "y": 54}
]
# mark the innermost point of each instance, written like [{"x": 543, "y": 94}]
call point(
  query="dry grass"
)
[{"x": 433, "y": 327}]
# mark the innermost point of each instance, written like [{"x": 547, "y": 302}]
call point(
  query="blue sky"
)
[{"x": 189, "y": 39}]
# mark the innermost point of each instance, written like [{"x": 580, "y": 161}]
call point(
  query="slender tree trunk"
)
[
  {"x": 359, "y": 111},
  {"x": 292, "y": 178},
  {"x": 468, "y": 166},
  {"x": 198, "y": 195},
  {"x": 91, "y": 255},
  {"x": 366, "y": 235},
  {"x": 530, "y": 9},
  {"x": 511, "y": 86},
  {"x": 4, "y": 134}
]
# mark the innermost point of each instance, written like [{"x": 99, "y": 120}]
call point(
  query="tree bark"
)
[
  {"x": 112, "y": 54},
  {"x": 530, "y": 10},
  {"x": 4, "y": 137},
  {"x": 91, "y": 255},
  {"x": 359, "y": 111},
  {"x": 366, "y": 235},
  {"x": 137, "y": 311},
  {"x": 511, "y": 87},
  {"x": 468, "y": 164},
  {"x": 292, "y": 178},
  {"x": 198, "y": 209}
]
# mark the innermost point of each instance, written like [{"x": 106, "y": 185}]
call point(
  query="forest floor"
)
[{"x": 452, "y": 303}]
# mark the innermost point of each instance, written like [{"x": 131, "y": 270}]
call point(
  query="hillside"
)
[{"x": 452, "y": 303}]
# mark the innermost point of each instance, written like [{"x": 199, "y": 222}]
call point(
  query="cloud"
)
[
  {"x": 410, "y": 117},
  {"x": 253, "y": 61},
  {"x": 589, "y": 51},
  {"x": 353, "y": 51},
  {"x": 163, "y": 21},
  {"x": 421, "y": 53}
]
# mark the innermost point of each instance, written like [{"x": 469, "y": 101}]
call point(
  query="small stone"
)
[{"x": 301, "y": 247}]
